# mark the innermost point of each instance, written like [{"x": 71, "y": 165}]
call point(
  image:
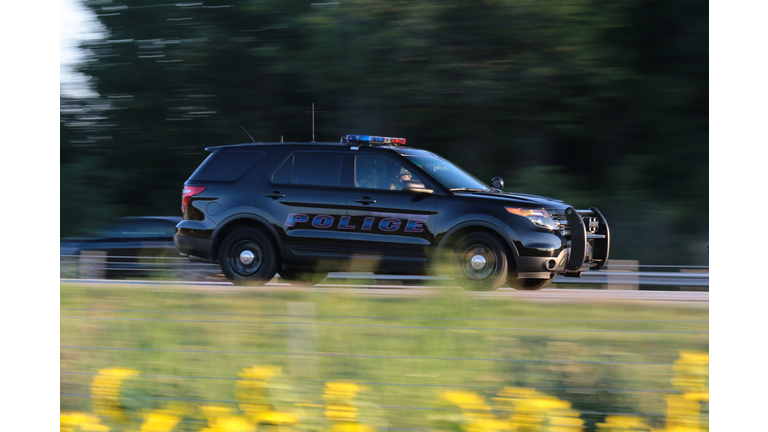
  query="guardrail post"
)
[
  {"x": 69, "y": 266},
  {"x": 619, "y": 281},
  {"x": 694, "y": 288},
  {"x": 93, "y": 264},
  {"x": 302, "y": 339}
]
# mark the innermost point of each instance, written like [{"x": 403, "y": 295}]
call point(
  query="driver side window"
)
[{"x": 380, "y": 172}]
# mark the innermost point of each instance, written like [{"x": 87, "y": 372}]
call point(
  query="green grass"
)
[{"x": 463, "y": 351}]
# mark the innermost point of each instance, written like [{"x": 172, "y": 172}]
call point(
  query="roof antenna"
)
[
  {"x": 281, "y": 138},
  {"x": 249, "y": 135},
  {"x": 313, "y": 122}
]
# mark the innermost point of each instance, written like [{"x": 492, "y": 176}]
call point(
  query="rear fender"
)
[{"x": 226, "y": 224}]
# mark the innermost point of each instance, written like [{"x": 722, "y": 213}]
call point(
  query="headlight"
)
[{"x": 539, "y": 217}]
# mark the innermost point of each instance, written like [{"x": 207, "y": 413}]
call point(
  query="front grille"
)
[{"x": 590, "y": 223}]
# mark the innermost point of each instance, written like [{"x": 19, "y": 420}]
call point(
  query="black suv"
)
[{"x": 370, "y": 203}]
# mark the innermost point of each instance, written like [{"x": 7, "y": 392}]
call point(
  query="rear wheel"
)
[
  {"x": 479, "y": 262},
  {"x": 248, "y": 257},
  {"x": 528, "y": 284},
  {"x": 296, "y": 277}
]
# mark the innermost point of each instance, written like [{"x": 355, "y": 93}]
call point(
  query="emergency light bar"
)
[{"x": 375, "y": 139}]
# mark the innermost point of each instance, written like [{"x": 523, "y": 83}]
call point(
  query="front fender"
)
[{"x": 447, "y": 238}]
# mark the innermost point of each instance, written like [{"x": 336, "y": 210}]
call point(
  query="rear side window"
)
[
  {"x": 283, "y": 175},
  {"x": 226, "y": 166},
  {"x": 317, "y": 169}
]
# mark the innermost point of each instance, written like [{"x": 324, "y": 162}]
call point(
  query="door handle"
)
[
  {"x": 275, "y": 194},
  {"x": 365, "y": 200}
]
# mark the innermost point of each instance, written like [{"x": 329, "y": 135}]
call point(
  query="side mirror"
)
[
  {"x": 416, "y": 187},
  {"x": 497, "y": 183}
]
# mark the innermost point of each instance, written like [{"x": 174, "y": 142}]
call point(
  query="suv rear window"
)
[
  {"x": 309, "y": 168},
  {"x": 226, "y": 166}
]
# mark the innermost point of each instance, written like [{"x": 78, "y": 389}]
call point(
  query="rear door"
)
[
  {"x": 308, "y": 201},
  {"x": 389, "y": 230}
]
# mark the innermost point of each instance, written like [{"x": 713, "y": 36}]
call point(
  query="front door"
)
[{"x": 389, "y": 230}]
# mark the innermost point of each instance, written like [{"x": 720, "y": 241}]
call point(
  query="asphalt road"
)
[{"x": 557, "y": 294}]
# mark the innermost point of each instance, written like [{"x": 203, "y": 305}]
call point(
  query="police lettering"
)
[{"x": 388, "y": 224}]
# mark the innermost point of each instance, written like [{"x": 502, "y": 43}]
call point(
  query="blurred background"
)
[{"x": 597, "y": 103}]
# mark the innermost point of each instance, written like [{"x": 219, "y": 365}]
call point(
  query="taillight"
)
[{"x": 187, "y": 193}]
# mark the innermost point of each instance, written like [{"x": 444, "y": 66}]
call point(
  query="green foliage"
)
[
  {"x": 614, "y": 94},
  {"x": 601, "y": 357}
]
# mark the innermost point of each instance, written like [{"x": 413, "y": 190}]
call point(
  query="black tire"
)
[
  {"x": 296, "y": 277},
  {"x": 492, "y": 275},
  {"x": 262, "y": 251},
  {"x": 528, "y": 284}
]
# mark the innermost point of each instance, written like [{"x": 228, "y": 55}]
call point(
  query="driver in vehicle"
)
[{"x": 403, "y": 177}]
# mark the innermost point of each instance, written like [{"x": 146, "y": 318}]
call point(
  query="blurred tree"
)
[{"x": 598, "y": 103}]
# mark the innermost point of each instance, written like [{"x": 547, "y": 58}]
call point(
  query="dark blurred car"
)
[{"x": 130, "y": 247}]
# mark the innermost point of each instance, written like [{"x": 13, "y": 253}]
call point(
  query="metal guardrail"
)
[{"x": 621, "y": 276}]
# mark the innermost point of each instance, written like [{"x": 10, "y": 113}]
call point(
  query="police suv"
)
[{"x": 370, "y": 203}]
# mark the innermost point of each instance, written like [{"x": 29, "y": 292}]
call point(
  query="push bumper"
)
[
  {"x": 580, "y": 243},
  {"x": 590, "y": 240}
]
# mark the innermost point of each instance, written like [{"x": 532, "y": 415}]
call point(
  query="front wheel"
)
[
  {"x": 480, "y": 262},
  {"x": 296, "y": 277},
  {"x": 528, "y": 284},
  {"x": 248, "y": 257}
]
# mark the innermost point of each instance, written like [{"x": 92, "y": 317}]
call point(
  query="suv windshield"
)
[{"x": 445, "y": 172}]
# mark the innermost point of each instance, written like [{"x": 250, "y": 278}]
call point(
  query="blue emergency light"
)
[{"x": 375, "y": 139}]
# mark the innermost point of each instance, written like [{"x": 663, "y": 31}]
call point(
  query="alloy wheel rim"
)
[
  {"x": 478, "y": 262},
  {"x": 246, "y": 258}
]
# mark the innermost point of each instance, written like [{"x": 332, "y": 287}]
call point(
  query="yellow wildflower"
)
[
  {"x": 682, "y": 414},
  {"x": 80, "y": 421},
  {"x": 698, "y": 397},
  {"x": 261, "y": 373},
  {"x": 486, "y": 425},
  {"x": 340, "y": 391},
  {"x": 534, "y": 411},
  {"x": 619, "y": 423},
  {"x": 548, "y": 403},
  {"x": 252, "y": 390},
  {"x": 160, "y": 420},
  {"x": 340, "y": 408},
  {"x": 211, "y": 413},
  {"x": 342, "y": 387},
  {"x": 276, "y": 418},
  {"x": 105, "y": 393},
  {"x": 692, "y": 371},
  {"x": 693, "y": 357},
  {"x": 341, "y": 412},
  {"x": 351, "y": 427},
  {"x": 463, "y": 398},
  {"x": 231, "y": 424}
]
